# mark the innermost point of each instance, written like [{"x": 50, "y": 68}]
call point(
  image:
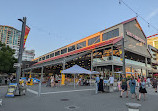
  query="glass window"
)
[
  {"x": 71, "y": 48},
  {"x": 57, "y": 53},
  {"x": 52, "y": 55},
  {"x": 64, "y": 51},
  {"x": 81, "y": 45},
  {"x": 111, "y": 34},
  {"x": 47, "y": 56},
  {"x": 94, "y": 40},
  {"x": 39, "y": 59},
  {"x": 43, "y": 58}
]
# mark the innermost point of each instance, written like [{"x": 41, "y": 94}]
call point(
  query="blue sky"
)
[{"x": 56, "y": 23}]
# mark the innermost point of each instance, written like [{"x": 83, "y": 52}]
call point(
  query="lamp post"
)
[{"x": 18, "y": 70}]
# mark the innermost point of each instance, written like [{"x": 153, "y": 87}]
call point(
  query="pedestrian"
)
[
  {"x": 142, "y": 88},
  {"x": 132, "y": 84},
  {"x": 148, "y": 82},
  {"x": 124, "y": 86},
  {"x": 97, "y": 80},
  {"x": 111, "y": 80},
  {"x": 155, "y": 84},
  {"x": 48, "y": 82},
  {"x": 101, "y": 85},
  {"x": 52, "y": 81},
  {"x": 138, "y": 81}
]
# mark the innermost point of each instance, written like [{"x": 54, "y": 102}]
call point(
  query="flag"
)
[{"x": 27, "y": 30}]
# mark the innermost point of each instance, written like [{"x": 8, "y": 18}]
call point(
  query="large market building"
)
[{"x": 101, "y": 51}]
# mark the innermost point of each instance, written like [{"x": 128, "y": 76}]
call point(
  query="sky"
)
[{"x": 56, "y": 23}]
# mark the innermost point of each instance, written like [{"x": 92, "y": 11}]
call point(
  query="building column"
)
[
  {"x": 40, "y": 83},
  {"x": 146, "y": 62},
  {"x": 112, "y": 61},
  {"x": 91, "y": 66}
]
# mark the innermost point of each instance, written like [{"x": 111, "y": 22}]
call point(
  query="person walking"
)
[
  {"x": 52, "y": 81},
  {"x": 132, "y": 84},
  {"x": 101, "y": 85},
  {"x": 97, "y": 80},
  {"x": 124, "y": 86},
  {"x": 111, "y": 80},
  {"x": 148, "y": 82},
  {"x": 155, "y": 84},
  {"x": 138, "y": 81},
  {"x": 142, "y": 88}
]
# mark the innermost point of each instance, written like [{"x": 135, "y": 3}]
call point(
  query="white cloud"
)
[{"x": 152, "y": 14}]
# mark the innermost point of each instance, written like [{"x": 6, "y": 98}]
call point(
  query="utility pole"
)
[{"x": 21, "y": 48}]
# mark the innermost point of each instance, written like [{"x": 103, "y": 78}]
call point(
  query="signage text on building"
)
[{"x": 135, "y": 37}]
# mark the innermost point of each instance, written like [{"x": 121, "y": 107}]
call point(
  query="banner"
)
[{"x": 27, "y": 30}]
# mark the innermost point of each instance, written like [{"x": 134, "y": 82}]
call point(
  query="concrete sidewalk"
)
[{"x": 80, "y": 101}]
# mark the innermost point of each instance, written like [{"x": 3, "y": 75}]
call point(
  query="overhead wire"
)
[{"x": 138, "y": 15}]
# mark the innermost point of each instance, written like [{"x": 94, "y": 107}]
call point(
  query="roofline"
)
[
  {"x": 124, "y": 22},
  {"x": 10, "y": 27},
  {"x": 107, "y": 42}
]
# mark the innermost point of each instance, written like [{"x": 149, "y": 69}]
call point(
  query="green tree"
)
[{"x": 7, "y": 59}]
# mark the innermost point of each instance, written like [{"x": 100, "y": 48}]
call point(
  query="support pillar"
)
[
  {"x": 40, "y": 83},
  {"x": 146, "y": 62},
  {"x": 91, "y": 66},
  {"x": 112, "y": 62}
]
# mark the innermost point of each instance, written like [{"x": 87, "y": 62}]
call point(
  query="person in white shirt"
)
[{"x": 111, "y": 80}]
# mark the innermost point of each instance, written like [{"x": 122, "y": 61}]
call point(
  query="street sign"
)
[{"x": 17, "y": 65}]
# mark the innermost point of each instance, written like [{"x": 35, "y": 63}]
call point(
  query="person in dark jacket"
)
[
  {"x": 101, "y": 85},
  {"x": 155, "y": 84}
]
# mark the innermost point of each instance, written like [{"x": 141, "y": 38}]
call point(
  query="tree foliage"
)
[{"x": 7, "y": 59}]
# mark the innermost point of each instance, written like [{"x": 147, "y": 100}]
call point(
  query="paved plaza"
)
[{"x": 70, "y": 99}]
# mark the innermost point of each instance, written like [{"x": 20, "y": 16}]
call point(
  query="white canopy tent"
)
[{"x": 78, "y": 70}]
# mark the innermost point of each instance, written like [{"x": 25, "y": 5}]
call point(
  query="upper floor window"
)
[
  {"x": 64, "y": 51},
  {"x": 43, "y": 58},
  {"x": 47, "y": 56},
  {"x": 94, "y": 40},
  {"x": 111, "y": 34},
  {"x": 57, "y": 53},
  {"x": 71, "y": 48},
  {"x": 52, "y": 55},
  {"x": 81, "y": 45},
  {"x": 39, "y": 59}
]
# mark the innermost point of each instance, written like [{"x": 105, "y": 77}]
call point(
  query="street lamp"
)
[{"x": 18, "y": 70}]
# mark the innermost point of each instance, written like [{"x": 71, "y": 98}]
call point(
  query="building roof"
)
[{"x": 111, "y": 41}]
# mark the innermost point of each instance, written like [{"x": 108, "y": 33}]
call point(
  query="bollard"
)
[
  {"x": 133, "y": 106},
  {"x": 96, "y": 88}
]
